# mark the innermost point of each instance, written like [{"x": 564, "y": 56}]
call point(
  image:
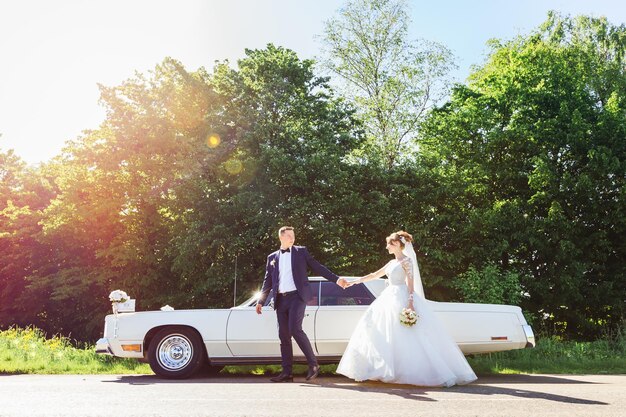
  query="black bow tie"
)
[{"x": 284, "y": 250}]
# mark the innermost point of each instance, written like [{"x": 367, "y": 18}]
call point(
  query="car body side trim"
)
[{"x": 269, "y": 360}]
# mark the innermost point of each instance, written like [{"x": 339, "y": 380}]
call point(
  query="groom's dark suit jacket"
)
[{"x": 300, "y": 260}]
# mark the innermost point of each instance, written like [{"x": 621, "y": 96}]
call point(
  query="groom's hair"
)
[{"x": 284, "y": 229}]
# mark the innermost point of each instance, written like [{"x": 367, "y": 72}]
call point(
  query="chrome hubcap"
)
[{"x": 175, "y": 352}]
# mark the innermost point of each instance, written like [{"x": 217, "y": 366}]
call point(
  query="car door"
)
[
  {"x": 338, "y": 314},
  {"x": 256, "y": 335}
]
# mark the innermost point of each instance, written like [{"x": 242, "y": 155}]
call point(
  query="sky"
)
[{"x": 54, "y": 53}]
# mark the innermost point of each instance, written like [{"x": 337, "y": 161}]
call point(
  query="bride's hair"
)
[{"x": 397, "y": 237}]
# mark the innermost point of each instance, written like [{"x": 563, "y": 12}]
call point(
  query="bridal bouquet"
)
[
  {"x": 408, "y": 317},
  {"x": 118, "y": 296}
]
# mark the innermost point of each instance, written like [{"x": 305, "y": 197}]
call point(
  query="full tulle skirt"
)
[{"x": 383, "y": 349}]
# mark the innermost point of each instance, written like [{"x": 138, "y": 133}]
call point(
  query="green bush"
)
[{"x": 489, "y": 285}]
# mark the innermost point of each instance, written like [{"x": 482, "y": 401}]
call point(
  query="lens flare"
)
[
  {"x": 213, "y": 141},
  {"x": 233, "y": 166}
]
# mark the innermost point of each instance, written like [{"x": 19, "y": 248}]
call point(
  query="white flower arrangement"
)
[
  {"x": 121, "y": 302},
  {"x": 408, "y": 317},
  {"x": 118, "y": 296}
]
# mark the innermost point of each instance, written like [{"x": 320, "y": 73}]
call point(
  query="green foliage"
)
[
  {"x": 533, "y": 157},
  {"x": 392, "y": 80},
  {"x": 280, "y": 161},
  {"x": 28, "y": 351},
  {"x": 489, "y": 285},
  {"x": 553, "y": 355},
  {"x": 102, "y": 228},
  {"x": 24, "y": 193},
  {"x": 189, "y": 171}
]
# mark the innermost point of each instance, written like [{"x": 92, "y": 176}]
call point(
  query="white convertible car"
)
[{"x": 176, "y": 343}]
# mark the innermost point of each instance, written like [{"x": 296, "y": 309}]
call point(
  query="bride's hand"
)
[{"x": 354, "y": 282}]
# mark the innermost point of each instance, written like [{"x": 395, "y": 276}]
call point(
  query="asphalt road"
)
[{"x": 224, "y": 395}]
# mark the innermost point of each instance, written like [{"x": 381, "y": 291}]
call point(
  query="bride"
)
[{"x": 382, "y": 348}]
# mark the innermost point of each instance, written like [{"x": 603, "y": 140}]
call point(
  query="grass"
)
[
  {"x": 555, "y": 356},
  {"x": 29, "y": 351}
]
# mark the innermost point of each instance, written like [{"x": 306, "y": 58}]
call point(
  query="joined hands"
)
[{"x": 344, "y": 283}]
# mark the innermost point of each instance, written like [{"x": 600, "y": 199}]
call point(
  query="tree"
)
[
  {"x": 109, "y": 225},
  {"x": 283, "y": 140},
  {"x": 24, "y": 193},
  {"x": 188, "y": 171},
  {"x": 391, "y": 80},
  {"x": 533, "y": 148}
]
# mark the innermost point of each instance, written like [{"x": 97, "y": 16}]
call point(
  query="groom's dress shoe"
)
[
  {"x": 314, "y": 371},
  {"x": 282, "y": 378}
]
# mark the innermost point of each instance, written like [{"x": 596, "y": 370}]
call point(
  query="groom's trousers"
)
[{"x": 290, "y": 311}]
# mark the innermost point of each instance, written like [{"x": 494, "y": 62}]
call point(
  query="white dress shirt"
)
[{"x": 285, "y": 275}]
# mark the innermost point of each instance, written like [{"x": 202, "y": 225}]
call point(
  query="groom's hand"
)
[
  {"x": 259, "y": 306},
  {"x": 342, "y": 283}
]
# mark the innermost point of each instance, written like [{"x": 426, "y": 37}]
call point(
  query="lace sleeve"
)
[{"x": 407, "y": 265}]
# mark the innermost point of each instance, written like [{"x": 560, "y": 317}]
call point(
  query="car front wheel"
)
[{"x": 175, "y": 352}]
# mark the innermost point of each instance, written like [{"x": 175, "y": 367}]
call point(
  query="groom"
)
[{"x": 286, "y": 278}]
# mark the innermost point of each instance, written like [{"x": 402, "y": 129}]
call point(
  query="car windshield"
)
[
  {"x": 331, "y": 295},
  {"x": 249, "y": 302}
]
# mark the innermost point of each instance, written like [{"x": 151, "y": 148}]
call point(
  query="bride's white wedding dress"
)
[{"x": 383, "y": 349}]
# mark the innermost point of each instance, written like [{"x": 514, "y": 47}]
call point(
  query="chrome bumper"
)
[
  {"x": 103, "y": 346},
  {"x": 530, "y": 336}
]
